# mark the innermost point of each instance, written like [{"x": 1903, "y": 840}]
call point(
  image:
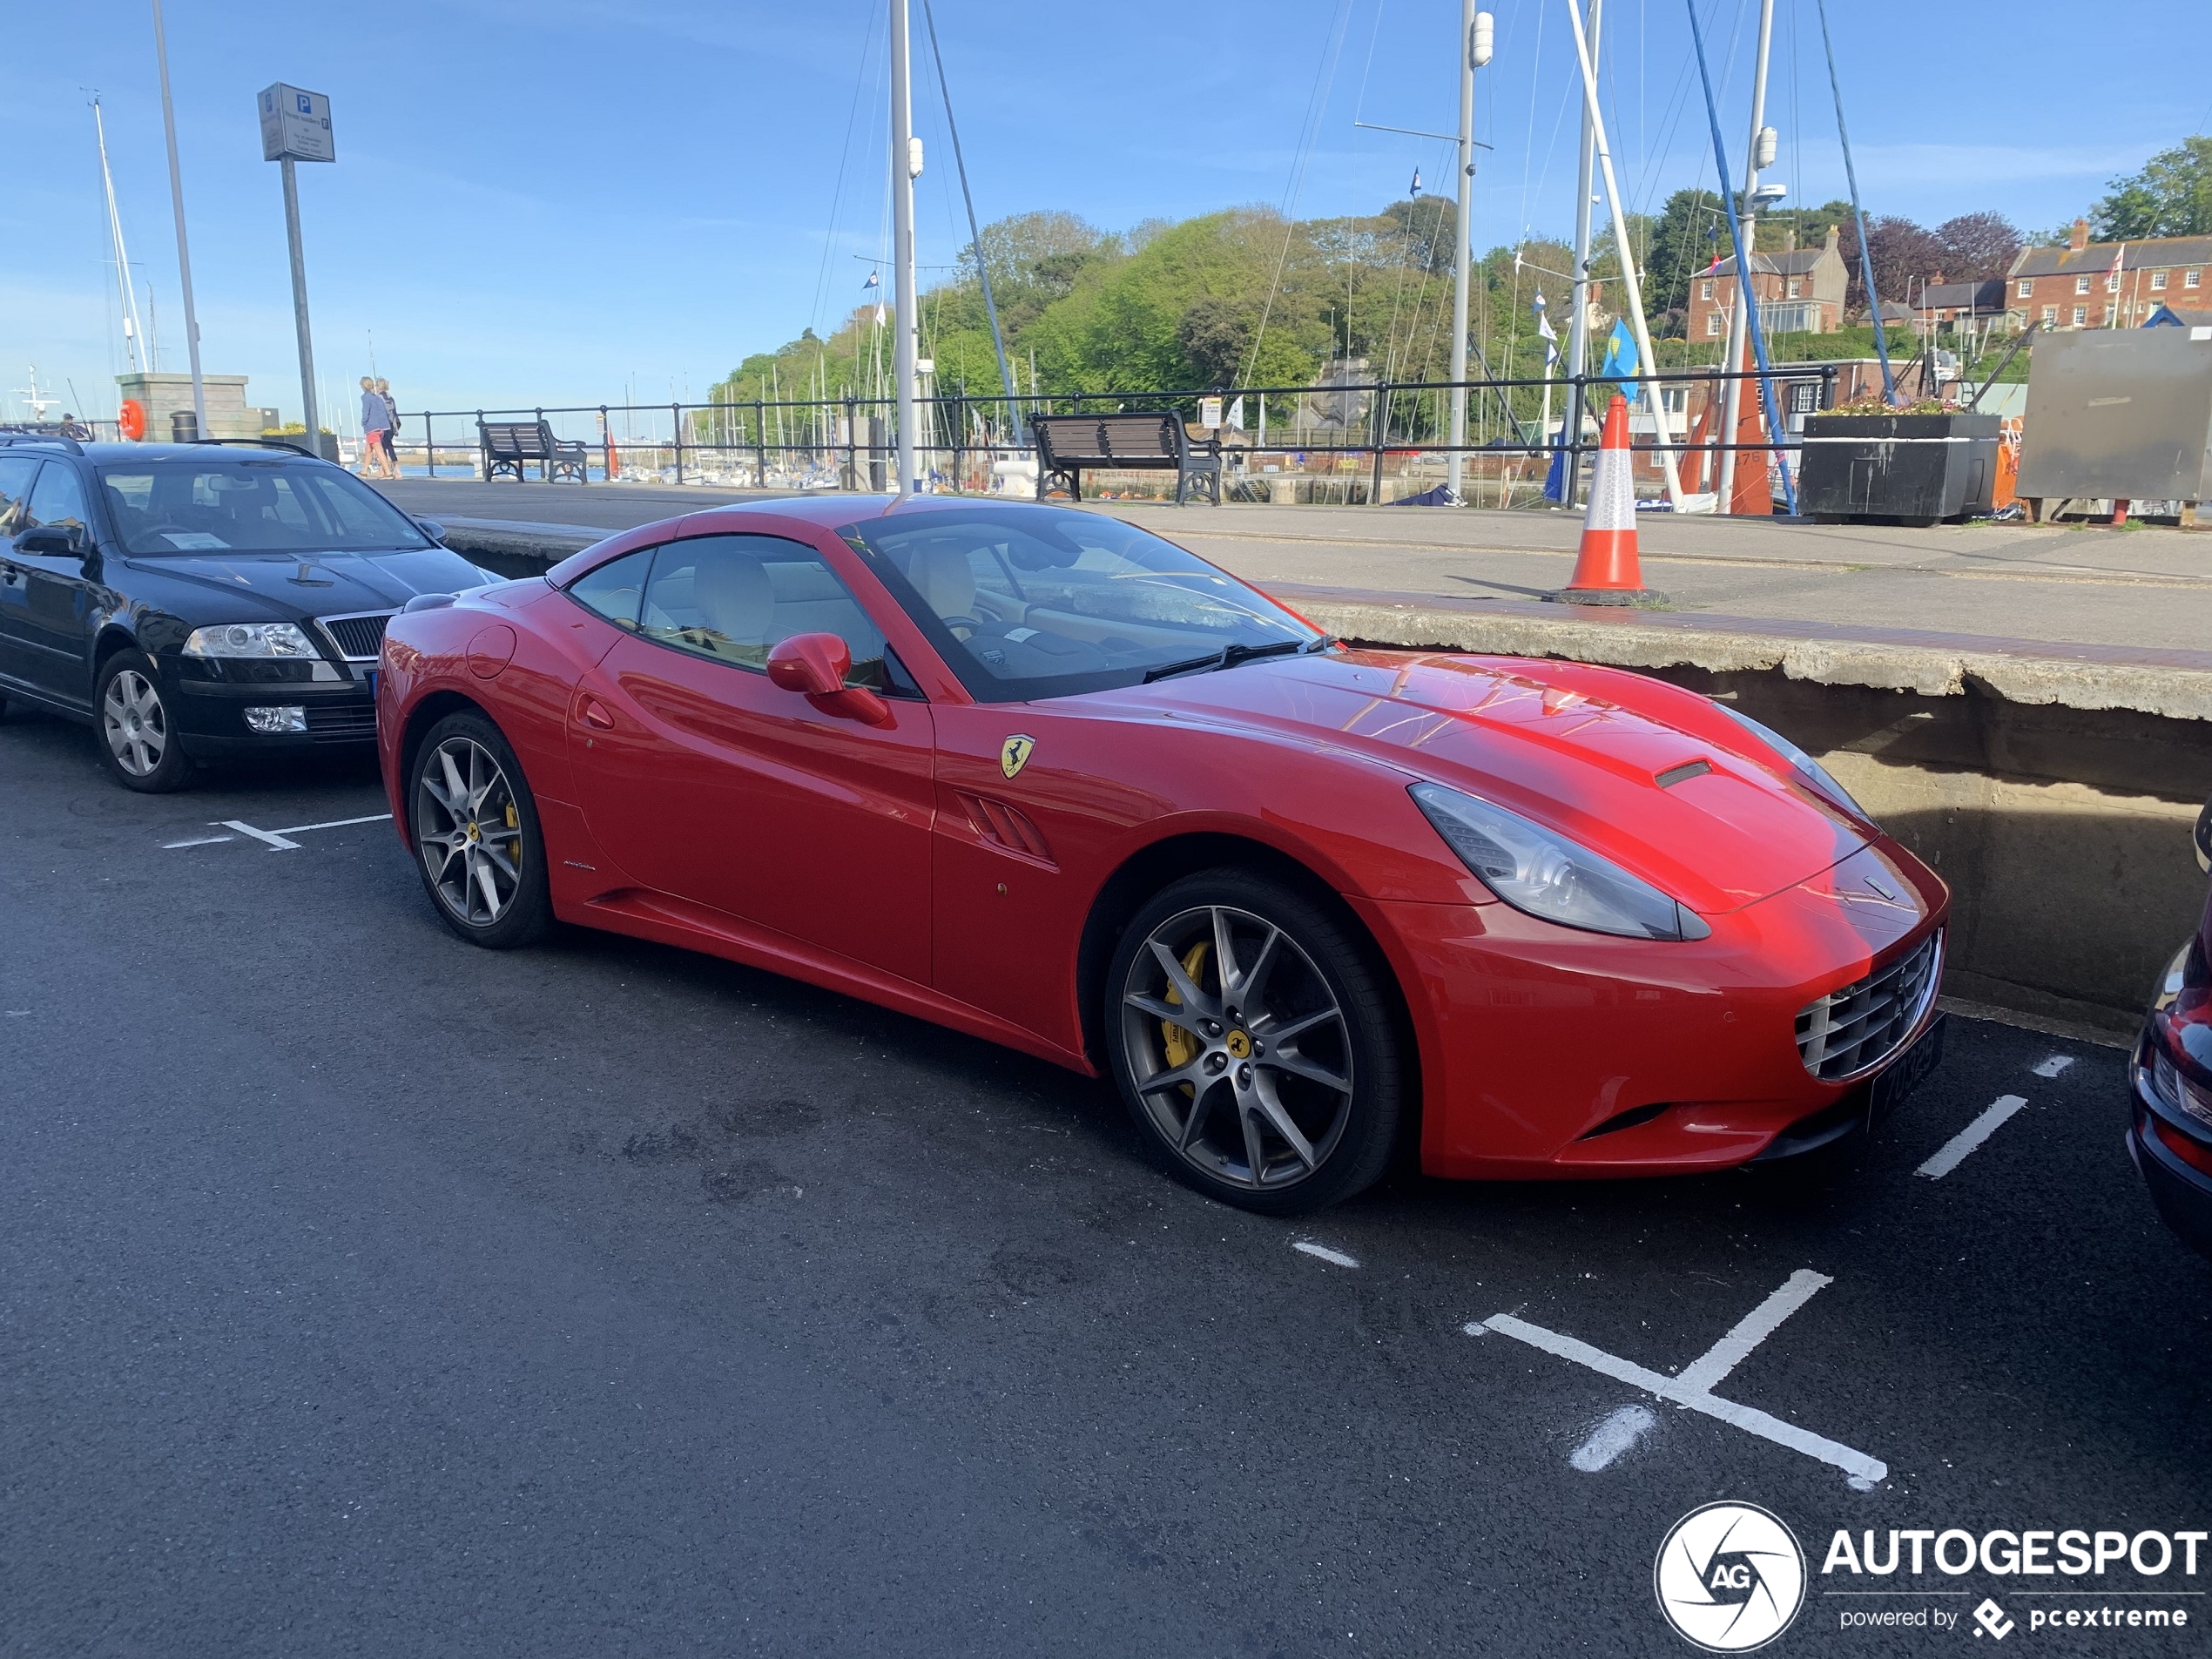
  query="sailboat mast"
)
[
  {"x": 184, "y": 249},
  {"x": 1746, "y": 293},
  {"x": 133, "y": 332},
  {"x": 905, "y": 164},
  {"x": 1578, "y": 326}
]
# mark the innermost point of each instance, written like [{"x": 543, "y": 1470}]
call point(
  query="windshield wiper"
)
[{"x": 1229, "y": 656}]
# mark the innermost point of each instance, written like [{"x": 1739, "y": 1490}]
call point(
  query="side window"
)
[
  {"x": 57, "y": 497},
  {"x": 16, "y": 473},
  {"x": 615, "y": 588},
  {"x": 734, "y": 598}
]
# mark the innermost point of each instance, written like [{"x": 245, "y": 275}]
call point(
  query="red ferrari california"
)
[{"x": 1040, "y": 776}]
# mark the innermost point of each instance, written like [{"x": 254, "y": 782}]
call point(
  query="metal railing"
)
[{"x": 849, "y": 443}]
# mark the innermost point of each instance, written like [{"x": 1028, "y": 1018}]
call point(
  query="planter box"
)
[{"x": 1891, "y": 468}]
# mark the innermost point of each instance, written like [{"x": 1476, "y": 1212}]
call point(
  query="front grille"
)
[
  {"x": 1849, "y": 1031},
  {"x": 341, "y": 721},
  {"x": 358, "y": 638}
]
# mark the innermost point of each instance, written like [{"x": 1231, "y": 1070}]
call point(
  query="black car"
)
[
  {"x": 199, "y": 600},
  {"x": 2169, "y": 1130}
]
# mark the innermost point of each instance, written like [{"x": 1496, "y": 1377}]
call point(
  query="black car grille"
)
[
  {"x": 1848, "y": 1031},
  {"x": 358, "y": 638},
  {"x": 341, "y": 721}
]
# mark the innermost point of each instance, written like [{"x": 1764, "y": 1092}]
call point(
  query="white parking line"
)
[
  {"x": 1334, "y": 1257},
  {"x": 1693, "y": 1388},
  {"x": 277, "y": 840},
  {"x": 1618, "y": 1434},
  {"x": 2054, "y": 1066},
  {"x": 1954, "y": 1150}
]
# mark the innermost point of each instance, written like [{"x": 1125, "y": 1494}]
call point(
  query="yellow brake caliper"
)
[
  {"x": 514, "y": 823},
  {"x": 1182, "y": 1045}
]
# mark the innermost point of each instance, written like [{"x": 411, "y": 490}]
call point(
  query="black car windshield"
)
[
  {"x": 1033, "y": 601},
  {"x": 246, "y": 505}
]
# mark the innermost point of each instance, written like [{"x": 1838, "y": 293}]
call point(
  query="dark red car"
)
[{"x": 1040, "y": 776}]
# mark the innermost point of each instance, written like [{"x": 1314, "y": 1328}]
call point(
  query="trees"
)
[{"x": 2172, "y": 196}]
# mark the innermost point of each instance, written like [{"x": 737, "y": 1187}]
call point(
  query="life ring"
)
[{"x": 132, "y": 418}]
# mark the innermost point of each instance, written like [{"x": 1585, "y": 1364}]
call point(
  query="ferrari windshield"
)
[
  {"x": 1030, "y": 602},
  {"x": 249, "y": 505}
]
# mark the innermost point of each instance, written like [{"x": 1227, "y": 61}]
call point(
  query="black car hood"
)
[{"x": 296, "y": 585}]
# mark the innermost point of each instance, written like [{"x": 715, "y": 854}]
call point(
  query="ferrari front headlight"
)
[
  {"x": 282, "y": 639},
  {"x": 1543, "y": 873}
]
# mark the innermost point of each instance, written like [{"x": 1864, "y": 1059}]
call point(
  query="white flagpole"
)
[{"x": 1628, "y": 277}]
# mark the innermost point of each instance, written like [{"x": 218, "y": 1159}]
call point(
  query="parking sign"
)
[{"x": 295, "y": 123}]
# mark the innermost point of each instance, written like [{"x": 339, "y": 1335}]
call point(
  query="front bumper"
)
[
  {"x": 1551, "y": 1054},
  {"x": 2182, "y": 1195},
  {"x": 209, "y": 715}
]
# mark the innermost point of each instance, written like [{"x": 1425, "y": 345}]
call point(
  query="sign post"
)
[{"x": 295, "y": 126}]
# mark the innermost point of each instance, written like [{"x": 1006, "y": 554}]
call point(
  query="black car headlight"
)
[
  {"x": 1542, "y": 874},
  {"x": 282, "y": 639}
]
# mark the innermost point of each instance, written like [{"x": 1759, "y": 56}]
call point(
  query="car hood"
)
[
  {"x": 1563, "y": 744},
  {"x": 296, "y": 585}
]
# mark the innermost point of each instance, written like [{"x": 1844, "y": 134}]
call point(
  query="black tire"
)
[
  {"x": 131, "y": 728},
  {"x": 1278, "y": 1125},
  {"x": 473, "y": 823}
]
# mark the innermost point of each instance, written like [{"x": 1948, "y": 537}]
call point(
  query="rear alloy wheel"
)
[
  {"x": 475, "y": 827},
  {"x": 137, "y": 744},
  {"x": 1255, "y": 1044}
]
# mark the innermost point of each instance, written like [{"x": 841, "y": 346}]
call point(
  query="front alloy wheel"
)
[
  {"x": 1254, "y": 1043},
  {"x": 137, "y": 743},
  {"x": 474, "y": 827}
]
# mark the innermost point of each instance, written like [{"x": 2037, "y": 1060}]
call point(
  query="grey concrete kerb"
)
[{"x": 2176, "y": 684}]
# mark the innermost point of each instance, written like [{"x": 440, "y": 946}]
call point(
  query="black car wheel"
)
[
  {"x": 136, "y": 740},
  {"x": 1254, "y": 1041},
  {"x": 474, "y": 823}
]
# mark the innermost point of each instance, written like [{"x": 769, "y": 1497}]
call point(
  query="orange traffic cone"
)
[{"x": 1607, "y": 571}]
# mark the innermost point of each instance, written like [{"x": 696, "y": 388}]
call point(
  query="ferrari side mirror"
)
[{"x": 815, "y": 665}]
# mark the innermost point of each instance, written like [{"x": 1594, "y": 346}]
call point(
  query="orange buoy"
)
[
  {"x": 130, "y": 420},
  {"x": 1607, "y": 571}
]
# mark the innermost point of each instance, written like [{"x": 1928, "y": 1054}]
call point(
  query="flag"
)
[
  {"x": 1544, "y": 327},
  {"x": 1236, "y": 413},
  {"x": 873, "y": 289},
  {"x": 1620, "y": 357},
  {"x": 1417, "y": 182}
]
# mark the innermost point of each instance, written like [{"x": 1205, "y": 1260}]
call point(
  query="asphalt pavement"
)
[{"x": 363, "y": 1292}]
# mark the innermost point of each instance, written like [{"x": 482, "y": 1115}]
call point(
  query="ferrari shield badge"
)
[{"x": 1013, "y": 754}]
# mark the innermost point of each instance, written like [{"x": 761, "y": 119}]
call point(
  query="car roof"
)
[
  {"x": 830, "y": 510},
  {"x": 193, "y": 452}
]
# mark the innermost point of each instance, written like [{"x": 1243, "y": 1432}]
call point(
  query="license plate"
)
[{"x": 1911, "y": 1069}]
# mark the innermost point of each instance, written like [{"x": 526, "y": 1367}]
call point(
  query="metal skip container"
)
[
  {"x": 2119, "y": 414},
  {"x": 1897, "y": 468}
]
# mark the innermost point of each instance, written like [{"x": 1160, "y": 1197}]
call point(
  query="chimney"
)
[
  {"x": 1830, "y": 239},
  {"x": 2078, "y": 237}
]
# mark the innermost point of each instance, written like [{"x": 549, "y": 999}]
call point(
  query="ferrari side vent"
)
[{"x": 1005, "y": 827}]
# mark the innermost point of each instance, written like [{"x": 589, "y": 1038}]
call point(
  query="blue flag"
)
[{"x": 1621, "y": 358}]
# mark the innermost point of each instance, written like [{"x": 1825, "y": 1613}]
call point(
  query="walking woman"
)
[
  {"x": 391, "y": 431},
  {"x": 376, "y": 427}
]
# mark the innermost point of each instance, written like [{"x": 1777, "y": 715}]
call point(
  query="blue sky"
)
[{"x": 551, "y": 201}]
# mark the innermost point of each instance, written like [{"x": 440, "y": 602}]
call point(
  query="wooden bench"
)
[
  {"x": 1068, "y": 443},
  {"x": 508, "y": 445}
]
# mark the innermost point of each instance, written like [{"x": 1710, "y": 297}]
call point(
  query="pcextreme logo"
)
[{"x": 1729, "y": 1577}]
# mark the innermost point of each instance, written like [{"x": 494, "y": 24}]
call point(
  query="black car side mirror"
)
[
  {"x": 2203, "y": 838},
  {"x": 51, "y": 541},
  {"x": 431, "y": 528}
]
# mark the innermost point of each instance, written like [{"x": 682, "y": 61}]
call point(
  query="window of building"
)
[
  {"x": 1712, "y": 322},
  {"x": 1704, "y": 290},
  {"x": 2157, "y": 281},
  {"x": 2189, "y": 278},
  {"x": 2082, "y": 285},
  {"x": 1796, "y": 287},
  {"x": 2080, "y": 315},
  {"x": 2050, "y": 313},
  {"x": 2112, "y": 283},
  {"x": 2028, "y": 290}
]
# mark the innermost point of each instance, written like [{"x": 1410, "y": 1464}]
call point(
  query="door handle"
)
[{"x": 592, "y": 712}]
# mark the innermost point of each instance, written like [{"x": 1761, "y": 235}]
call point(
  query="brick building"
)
[
  {"x": 1799, "y": 291},
  {"x": 2102, "y": 285}
]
